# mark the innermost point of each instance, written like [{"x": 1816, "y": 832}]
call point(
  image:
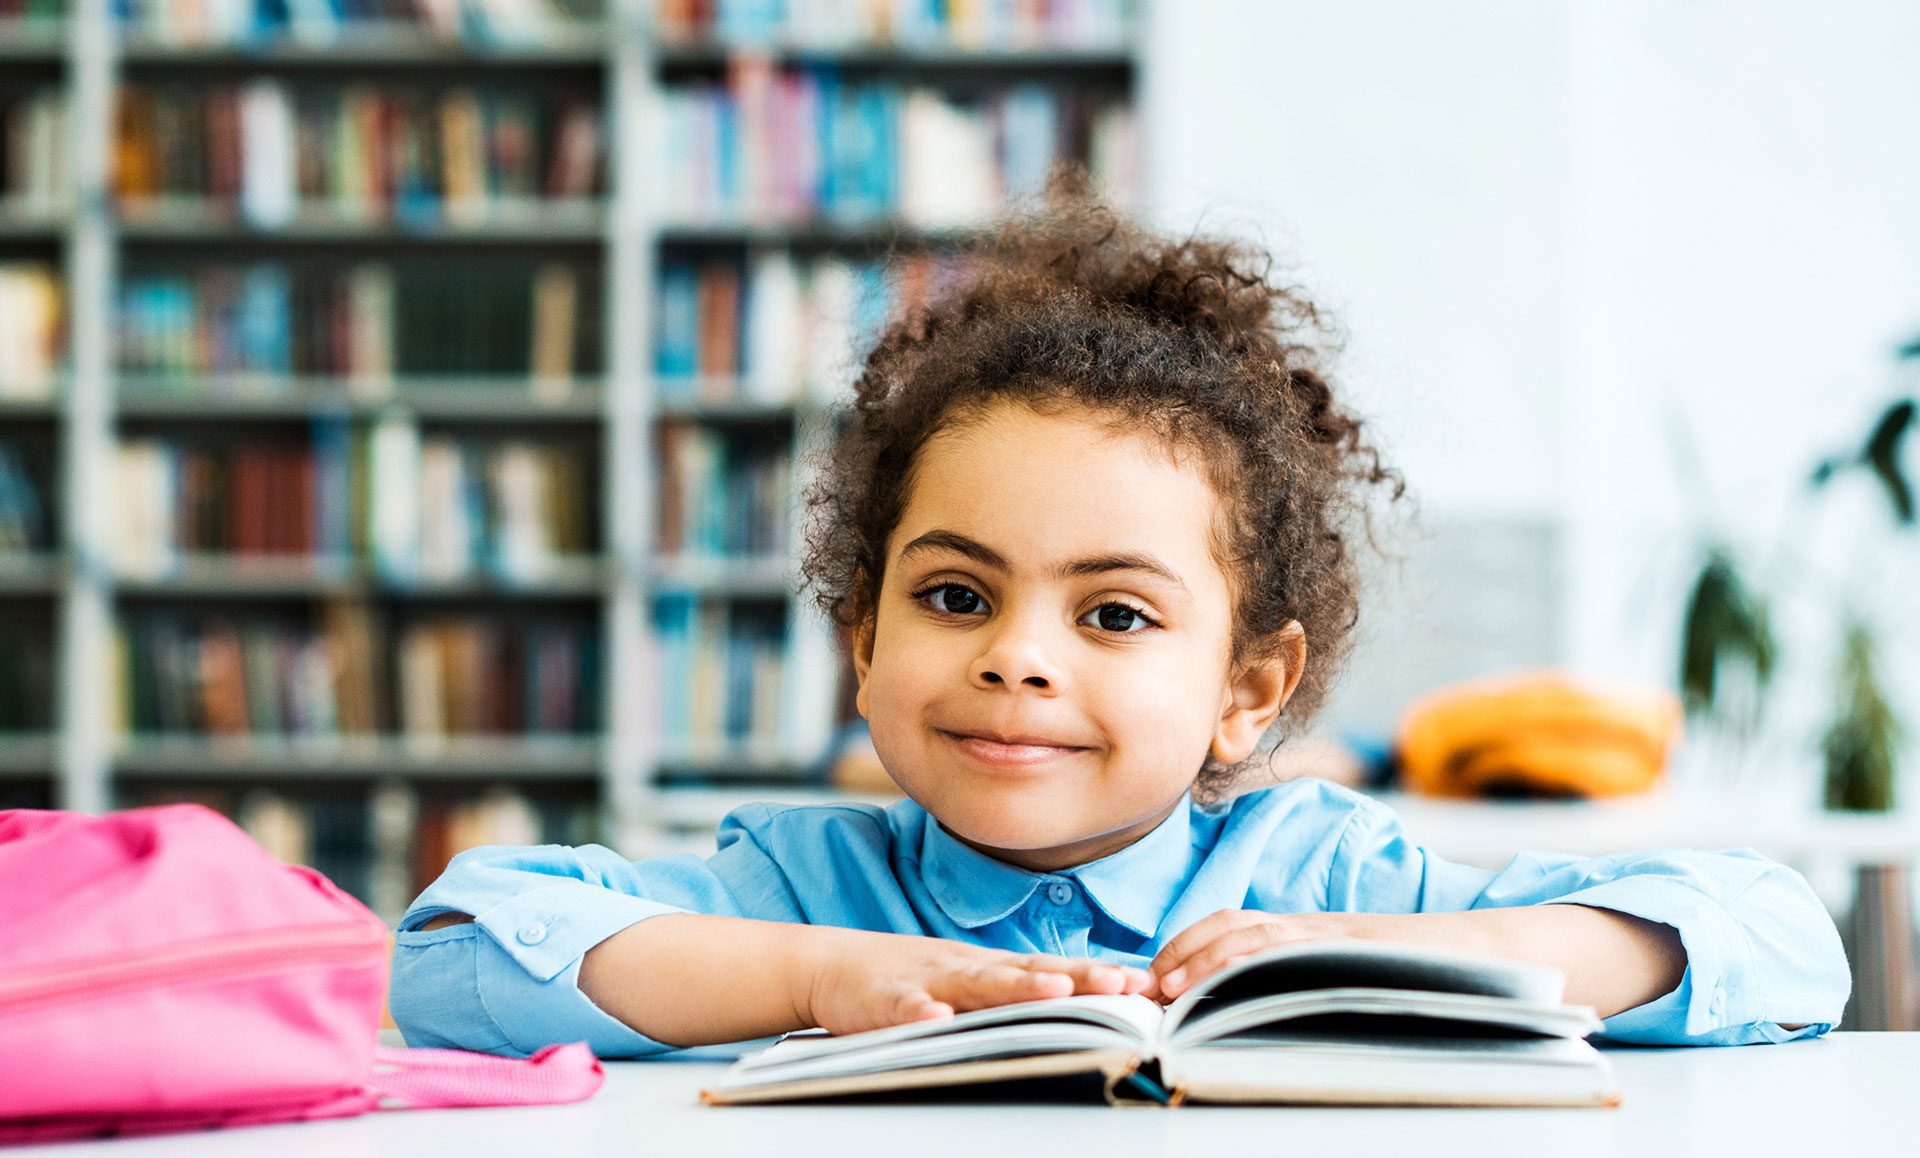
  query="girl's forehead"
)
[{"x": 1040, "y": 487}]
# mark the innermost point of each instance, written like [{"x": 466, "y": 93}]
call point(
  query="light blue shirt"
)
[{"x": 1761, "y": 950}]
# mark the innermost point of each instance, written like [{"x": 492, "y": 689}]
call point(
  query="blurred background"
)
[{"x": 403, "y": 402}]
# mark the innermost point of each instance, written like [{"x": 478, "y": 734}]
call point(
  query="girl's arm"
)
[
  {"x": 1672, "y": 947},
  {"x": 513, "y": 949},
  {"x": 1761, "y": 958},
  {"x": 1613, "y": 961},
  {"x": 698, "y": 980},
  {"x": 691, "y": 979}
]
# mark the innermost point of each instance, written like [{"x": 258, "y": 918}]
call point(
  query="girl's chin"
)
[{"x": 1035, "y": 825}]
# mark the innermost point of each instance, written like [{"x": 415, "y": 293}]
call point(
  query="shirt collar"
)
[{"x": 1135, "y": 886}]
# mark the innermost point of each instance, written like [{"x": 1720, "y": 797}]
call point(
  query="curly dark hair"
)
[{"x": 1071, "y": 305}]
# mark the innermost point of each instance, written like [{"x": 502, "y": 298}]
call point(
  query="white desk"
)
[{"x": 1851, "y": 1094}]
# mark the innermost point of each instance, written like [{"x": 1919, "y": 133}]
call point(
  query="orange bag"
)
[{"x": 1537, "y": 734}]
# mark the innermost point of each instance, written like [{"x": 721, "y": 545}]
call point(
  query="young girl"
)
[{"x": 1090, "y": 528}]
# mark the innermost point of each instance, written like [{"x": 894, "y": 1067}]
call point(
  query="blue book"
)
[
  {"x": 22, "y": 515},
  {"x": 726, "y": 157},
  {"x": 879, "y": 117},
  {"x": 674, "y": 614},
  {"x": 846, "y": 151},
  {"x": 739, "y": 679},
  {"x": 587, "y": 710},
  {"x": 825, "y": 83},
  {"x": 872, "y": 302},
  {"x": 747, "y": 22},
  {"x": 677, "y": 309},
  {"x": 713, "y": 500},
  {"x": 1030, "y": 132},
  {"x": 177, "y": 307},
  {"x": 265, "y": 322},
  {"x": 333, "y": 486},
  {"x": 479, "y": 522}
]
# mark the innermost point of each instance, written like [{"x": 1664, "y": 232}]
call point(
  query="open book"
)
[{"x": 1356, "y": 1022}]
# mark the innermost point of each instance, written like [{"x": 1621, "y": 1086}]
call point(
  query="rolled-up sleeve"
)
[
  {"x": 509, "y": 981},
  {"x": 1762, "y": 952}
]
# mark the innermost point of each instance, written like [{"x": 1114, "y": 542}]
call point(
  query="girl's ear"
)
[
  {"x": 862, "y": 649},
  {"x": 1258, "y": 693}
]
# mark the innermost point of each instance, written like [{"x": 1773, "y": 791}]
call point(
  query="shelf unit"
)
[{"x": 642, "y": 788}]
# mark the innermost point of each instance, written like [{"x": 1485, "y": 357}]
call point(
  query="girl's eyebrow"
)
[{"x": 1093, "y": 565}]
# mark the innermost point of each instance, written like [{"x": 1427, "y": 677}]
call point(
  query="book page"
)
[
  {"x": 1377, "y": 1014},
  {"x": 1132, "y": 1018},
  {"x": 1021, "y": 1039},
  {"x": 1371, "y": 965}
]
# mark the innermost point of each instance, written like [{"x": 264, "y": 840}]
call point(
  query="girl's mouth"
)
[{"x": 1010, "y": 751}]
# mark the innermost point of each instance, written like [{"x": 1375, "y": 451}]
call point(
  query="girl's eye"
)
[
  {"x": 1119, "y": 618},
  {"x": 952, "y": 599},
  {"x": 959, "y": 599}
]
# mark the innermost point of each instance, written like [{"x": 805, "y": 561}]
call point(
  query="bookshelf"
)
[{"x": 431, "y": 480}]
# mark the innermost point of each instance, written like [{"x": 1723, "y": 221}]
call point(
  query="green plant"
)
[
  {"x": 1728, "y": 625},
  {"x": 1862, "y": 744}
]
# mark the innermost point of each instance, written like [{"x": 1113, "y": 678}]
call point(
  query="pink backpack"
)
[{"x": 160, "y": 971}]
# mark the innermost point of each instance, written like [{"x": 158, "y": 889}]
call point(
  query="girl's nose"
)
[{"x": 1016, "y": 657}]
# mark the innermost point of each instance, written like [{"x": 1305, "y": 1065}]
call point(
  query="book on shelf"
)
[
  {"x": 776, "y": 144},
  {"x": 25, "y": 794},
  {"x": 198, "y": 674},
  {"x": 179, "y": 499},
  {"x": 1367, "y": 1023},
  {"x": 25, "y": 523},
  {"x": 249, "y": 23},
  {"x": 723, "y": 495},
  {"x": 966, "y": 24},
  {"x": 27, "y": 676},
  {"x": 444, "y": 507},
  {"x": 34, "y": 178},
  {"x": 434, "y": 507},
  {"x": 537, "y": 320},
  {"x": 277, "y": 676},
  {"x": 36, "y": 14},
  {"x": 251, "y": 331},
  {"x": 775, "y": 329},
  {"x": 721, "y": 669},
  {"x": 448, "y": 826},
  {"x": 359, "y": 153},
  {"x": 32, "y": 329},
  {"x": 469, "y": 675}
]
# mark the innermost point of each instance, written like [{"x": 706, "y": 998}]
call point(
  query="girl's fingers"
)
[
  {"x": 979, "y": 986},
  {"x": 907, "y": 1002},
  {"x": 1089, "y": 976},
  {"x": 1195, "y": 937},
  {"x": 1214, "y": 955}
]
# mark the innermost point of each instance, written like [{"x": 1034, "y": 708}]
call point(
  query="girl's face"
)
[{"x": 1048, "y": 665}]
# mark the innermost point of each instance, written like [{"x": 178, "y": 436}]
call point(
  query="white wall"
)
[
  {"x": 1411, "y": 158},
  {"x": 1560, "y": 231}
]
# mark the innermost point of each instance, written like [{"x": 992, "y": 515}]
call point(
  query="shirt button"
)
[
  {"x": 1060, "y": 892},
  {"x": 532, "y": 934}
]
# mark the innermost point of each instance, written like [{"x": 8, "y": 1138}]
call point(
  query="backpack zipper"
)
[{"x": 234, "y": 954}]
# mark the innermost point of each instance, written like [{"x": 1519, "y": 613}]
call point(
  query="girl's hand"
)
[
  {"x": 1216, "y": 941},
  {"x": 870, "y": 980}
]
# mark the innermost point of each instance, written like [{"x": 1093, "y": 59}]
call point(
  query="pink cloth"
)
[{"x": 159, "y": 971}]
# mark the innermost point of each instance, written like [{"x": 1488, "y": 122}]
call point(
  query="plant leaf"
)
[
  {"x": 1882, "y": 456},
  {"x": 1725, "y": 621},
  {"x": 1862, "y": 743}
]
